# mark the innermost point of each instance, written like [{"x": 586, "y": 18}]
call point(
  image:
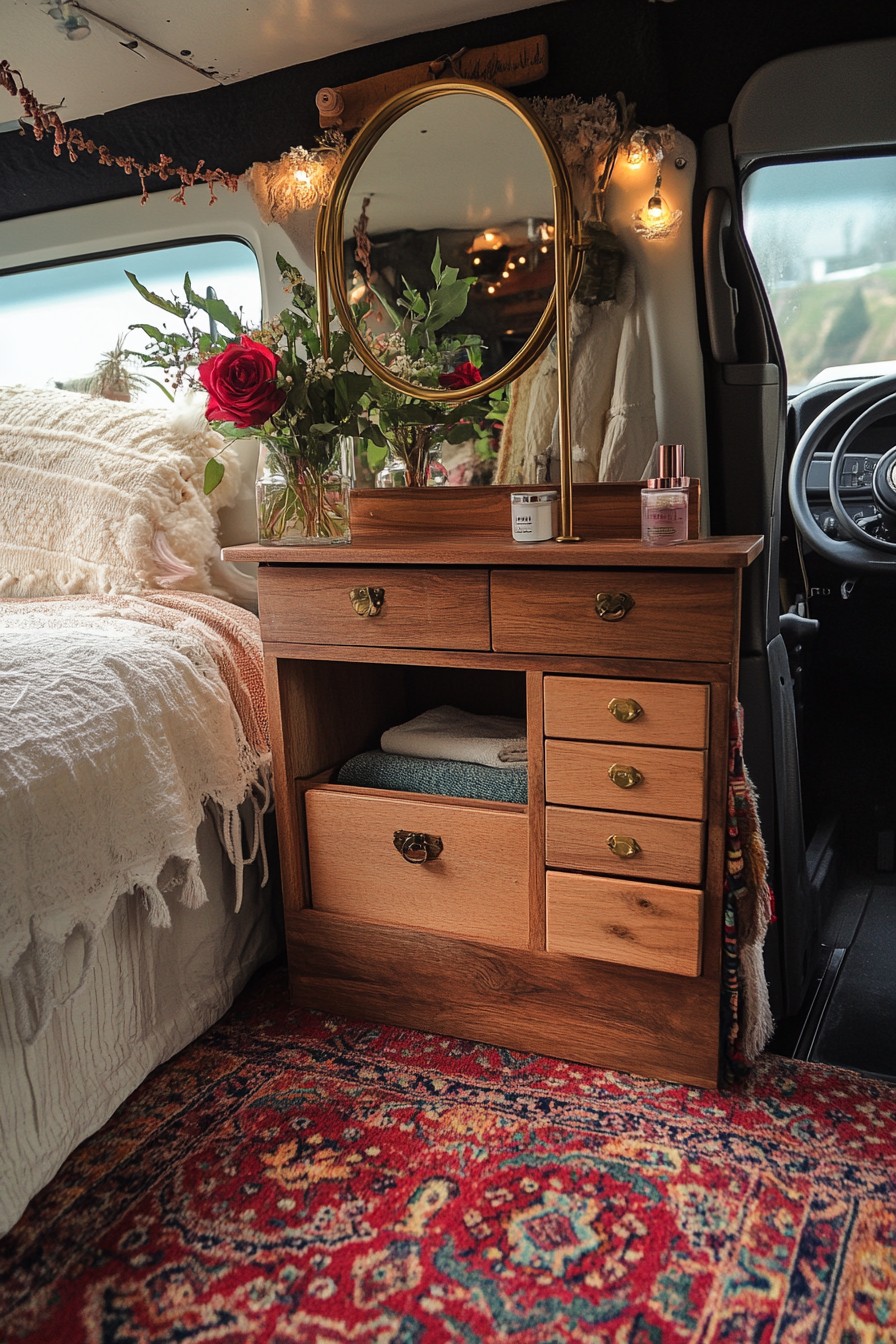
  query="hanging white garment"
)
[{"x": 612, "y": 411}]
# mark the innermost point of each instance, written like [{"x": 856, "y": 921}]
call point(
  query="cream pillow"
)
[{"x": 100, "y": 496}]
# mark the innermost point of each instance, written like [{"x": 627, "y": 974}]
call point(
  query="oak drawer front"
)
[
  {"x": 671, "y": 783},
  {"x": 664, "y": 850},
  {"x": 630, "y": 923},
  {"x": 674, "y": 614},
  {"x": 421, "y": 608},
  {"x": 601, "y": 709},
  {"x": 477, "y": 887}
]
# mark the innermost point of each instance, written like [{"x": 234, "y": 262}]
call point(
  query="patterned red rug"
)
[{"x": 293, "y": 1177}]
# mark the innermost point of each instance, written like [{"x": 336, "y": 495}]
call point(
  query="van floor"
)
[{"x": 848, "y": 1018}]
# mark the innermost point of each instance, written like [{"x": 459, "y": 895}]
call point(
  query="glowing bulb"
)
[
  {"x": 656, "y": 207},
  {"x": 511, "y": 265},
  {"x": 544, "y": 249},
  {"x": 522, "y": 261},
  {"x": 489, "y": 237},
  {"x": 636, "y": 155},
  {"x": 491, "y": 289},
  {"x": 477, "y": 261},
  {"x": 505, "y": 275}
]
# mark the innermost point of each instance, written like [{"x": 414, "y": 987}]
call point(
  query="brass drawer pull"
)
[
  {"x": 623, "y": 846},
  {"x": 625, "y": 776},
  {"x": 626, "y": 711},
  {"x": 368, "y": 601},
  {"x": 613, "y": 606},
  {"x": 416, "y": 846}
]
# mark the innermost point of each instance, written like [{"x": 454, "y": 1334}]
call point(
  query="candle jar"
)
[{"x": 664, "y": 500}]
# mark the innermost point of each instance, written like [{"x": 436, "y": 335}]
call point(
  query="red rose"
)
[
  {"x": 241, "y": 384},
  {"x": 463, "y": 375}
]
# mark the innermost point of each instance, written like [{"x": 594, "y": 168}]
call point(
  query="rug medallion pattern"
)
[{"x": 292, "y": 1177}]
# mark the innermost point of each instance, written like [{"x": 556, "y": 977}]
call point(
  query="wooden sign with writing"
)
[{"x": 350, "y": 105}]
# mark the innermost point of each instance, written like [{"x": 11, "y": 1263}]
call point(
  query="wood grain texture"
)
[
  {"x": 672, "y": 715},
  {"x": 431, "y": 609},
  {"x": 674, "y": 783},
  {"x": 630, "y": 923},
  {"x": 507, "y": 64},
  {"x": 476, "y": 888},
  {"x": 678, "y": 615},
  {"x": 619, "y": 1017},
  {"x": 608, "y": 509},
  {"x": 716, "y": 827},
  {"x": 468, "y": 548},
  {"x": 671, "y": 850},
  {"x": 509, "y": 662},
  {"x": 535, "y": 748}
]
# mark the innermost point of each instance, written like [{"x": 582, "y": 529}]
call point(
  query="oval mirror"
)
[{"x": 440, "y": 240}]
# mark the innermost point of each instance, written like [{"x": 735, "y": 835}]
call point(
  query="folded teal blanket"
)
[{"x": 421, "y": 774}]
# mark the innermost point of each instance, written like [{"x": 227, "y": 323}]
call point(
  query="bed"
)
[{"x": 134, "y": 765}]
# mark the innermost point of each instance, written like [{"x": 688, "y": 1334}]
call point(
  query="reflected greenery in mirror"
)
[{"x": 440, "y": 246}]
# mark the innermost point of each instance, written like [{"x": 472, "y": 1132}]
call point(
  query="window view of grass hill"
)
[{"x": 848, "y": 321}]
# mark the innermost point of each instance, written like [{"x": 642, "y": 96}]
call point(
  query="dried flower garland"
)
[{"x": 46, "y": 121}]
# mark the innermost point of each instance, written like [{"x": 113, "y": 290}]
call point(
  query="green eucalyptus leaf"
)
[
  {"x": 160, "y": 336},
  {"x": 168, "y": 305},
  {"x": 216, "y": 309},
  {"x": 376, "y": 454},
  {"x": 214, "y": 475}
]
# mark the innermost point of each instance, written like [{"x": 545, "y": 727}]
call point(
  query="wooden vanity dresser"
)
[{"x": 585, "y": 925}]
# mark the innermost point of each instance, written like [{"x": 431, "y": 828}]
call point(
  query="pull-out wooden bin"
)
[{"x": 476, "y": 888}]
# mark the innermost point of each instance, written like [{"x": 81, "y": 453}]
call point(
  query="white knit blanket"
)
[
  {"x": 113, "y": 736},
  {"x": 449, "y": 734}
]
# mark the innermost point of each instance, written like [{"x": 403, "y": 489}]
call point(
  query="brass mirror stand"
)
[{"x": 330, "y": 261}]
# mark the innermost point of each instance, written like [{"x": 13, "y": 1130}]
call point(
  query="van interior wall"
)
[{"x": 681, "y": 62}]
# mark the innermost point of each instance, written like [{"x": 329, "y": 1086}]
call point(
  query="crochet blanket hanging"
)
[{"x": 116, "y": 730}]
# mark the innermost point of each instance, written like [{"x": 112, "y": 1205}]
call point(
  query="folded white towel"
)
[{"x": 449, "y": 734}]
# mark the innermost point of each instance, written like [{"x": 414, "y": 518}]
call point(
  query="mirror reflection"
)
[{"x": 448, "y": 237}]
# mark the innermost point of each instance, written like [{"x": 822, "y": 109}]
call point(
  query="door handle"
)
[{"x": 721, "y": 297}]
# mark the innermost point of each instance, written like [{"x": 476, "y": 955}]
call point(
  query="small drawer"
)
[
  {"x": 666, "y": 782},
  {"x": 625, "y": 845},
  {"x": 630, "y": 923},
  {"x": 477, "y": 886},
  {"x": 414, "y": 609},
  {"x": 674, "y": 614},
  {"x": 601, "y": 709}
]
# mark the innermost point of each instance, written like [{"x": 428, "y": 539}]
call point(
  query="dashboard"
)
[{"x": 856, "y": 472}]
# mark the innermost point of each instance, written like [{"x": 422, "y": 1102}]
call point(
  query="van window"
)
[
  {"x": 57, "y": 322},
  {"x": 824, "y": 238}
]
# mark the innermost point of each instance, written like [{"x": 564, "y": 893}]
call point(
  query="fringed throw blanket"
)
[
  {"x": 121, "y": 718},
  {"x": 749, "y": 909}
]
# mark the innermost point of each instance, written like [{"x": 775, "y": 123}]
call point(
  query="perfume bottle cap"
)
[{"x": 670, "y": 468}]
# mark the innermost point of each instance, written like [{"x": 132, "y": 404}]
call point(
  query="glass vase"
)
[
  {"x": 413, "y": 457},
  {"x": 302, "y": 491}
]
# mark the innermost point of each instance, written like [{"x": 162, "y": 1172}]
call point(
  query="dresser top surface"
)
[{"x": 466, "y": 549}]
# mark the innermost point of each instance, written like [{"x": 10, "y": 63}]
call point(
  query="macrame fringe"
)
[
  {"x": 156, "y": 905},
  {"x": 230, "y": 831},
  {"x": 749, "y": 909},
  {"x": 193, "y": 893}
]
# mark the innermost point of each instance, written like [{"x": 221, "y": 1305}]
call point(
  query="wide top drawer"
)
[
  {"x": 374, "y": 606},
  {"x": 675, "y": 614},
  {"x": 605, "y": 709}
]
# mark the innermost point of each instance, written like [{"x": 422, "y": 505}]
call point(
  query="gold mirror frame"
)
[{"x": 331, "y": 267}]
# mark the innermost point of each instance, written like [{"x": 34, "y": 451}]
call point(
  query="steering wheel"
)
[{"x": 860, "y": 548}]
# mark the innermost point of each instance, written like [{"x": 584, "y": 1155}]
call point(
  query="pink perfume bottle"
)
[{"x": 664, "y": 502}]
